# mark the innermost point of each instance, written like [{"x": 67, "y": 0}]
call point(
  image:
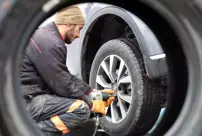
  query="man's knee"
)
[
  {"x": 83, "y": 111},
  {"x": 80, "y": 111}
]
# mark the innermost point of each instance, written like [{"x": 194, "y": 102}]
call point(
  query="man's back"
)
[{"x": 43, "y": 40}]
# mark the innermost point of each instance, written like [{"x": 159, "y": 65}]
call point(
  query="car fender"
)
[{"x": 148, "y": 43}]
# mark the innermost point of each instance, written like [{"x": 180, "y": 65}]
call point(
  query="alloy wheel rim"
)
[{"x": 113, "y": 73}]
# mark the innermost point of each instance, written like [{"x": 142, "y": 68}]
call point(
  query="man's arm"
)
[{"x": 56, "y": 75}]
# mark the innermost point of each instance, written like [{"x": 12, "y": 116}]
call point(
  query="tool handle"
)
[
  {"x": 106, "y": 96},
  {"x": 98, "y": 115}
]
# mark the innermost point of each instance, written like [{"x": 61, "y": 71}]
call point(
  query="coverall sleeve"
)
[{"x": 51, "y": 66}]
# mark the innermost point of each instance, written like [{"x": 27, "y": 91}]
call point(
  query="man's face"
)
[{"x": 73, "y": 32}]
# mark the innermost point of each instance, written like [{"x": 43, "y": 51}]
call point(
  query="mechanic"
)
[{"x": 56, "y": 100}]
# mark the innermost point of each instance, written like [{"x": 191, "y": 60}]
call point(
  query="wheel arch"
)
[{"x": 94, "y": 35}]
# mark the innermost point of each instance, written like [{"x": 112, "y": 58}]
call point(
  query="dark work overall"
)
[{"x": 56, "y": 100}]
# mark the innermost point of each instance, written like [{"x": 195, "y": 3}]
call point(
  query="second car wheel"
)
[{"x": 119, "y": 65}]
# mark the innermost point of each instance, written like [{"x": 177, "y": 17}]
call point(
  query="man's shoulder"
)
[{"x": 46, "y": 38}]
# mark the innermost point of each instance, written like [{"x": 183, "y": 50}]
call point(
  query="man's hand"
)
[
  {"x": 109, "y": 101},
  {"x": 98, "y": 107}
]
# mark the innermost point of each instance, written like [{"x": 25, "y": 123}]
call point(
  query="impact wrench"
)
[{"x": 99, "y": 96}]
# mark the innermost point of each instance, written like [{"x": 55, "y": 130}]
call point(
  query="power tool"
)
[{"x": 99, "y": 96}]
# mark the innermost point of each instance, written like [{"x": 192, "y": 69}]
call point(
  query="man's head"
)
[{"x": 69, "y": 21}]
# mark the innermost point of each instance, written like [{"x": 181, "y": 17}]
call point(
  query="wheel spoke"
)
[
  {"x": 105, "y": 67},
  {"x": 121, "y": 69},
  {"x": 125, "y": 80},
  {"x": 123, "y": 107},
  {"x": 125, "y": 97},
  {"x": 114, "y": 112},
  {"x": 101, "y": 81},
  {"x": 112, "y": 66}
]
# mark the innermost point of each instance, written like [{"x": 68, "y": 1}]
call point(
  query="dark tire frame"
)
[
  {"x": 146, "y": 104},
  {"x": 179, "y": 31}
]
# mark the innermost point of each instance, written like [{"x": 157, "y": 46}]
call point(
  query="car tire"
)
[{"x": 145, "y": 106}]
